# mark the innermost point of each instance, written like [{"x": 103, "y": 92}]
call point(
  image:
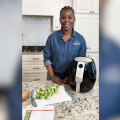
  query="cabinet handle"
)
[
  {"x": 87, "y": 47},
  {"x": 36, "y": 79},
  {"x": 90, "y": 11},
  {"x": 35, "y": 58},
  {"x": 93, "y": 11},
  {"x": 36, "y": 68}
]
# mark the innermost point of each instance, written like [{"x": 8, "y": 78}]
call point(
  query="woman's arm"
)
[
  {"x": 52, "y": 76},
  {"x": 48, "y": 62},
  {"x": 50, "y": 71}
]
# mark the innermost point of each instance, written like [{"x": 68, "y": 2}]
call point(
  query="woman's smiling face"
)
[{"x": 67, "y": 20}]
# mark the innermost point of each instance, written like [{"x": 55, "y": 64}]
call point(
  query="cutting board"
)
[{"x": 62, "y": 96}]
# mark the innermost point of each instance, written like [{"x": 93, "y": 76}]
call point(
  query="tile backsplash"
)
[{"x": 35, "y": 30}]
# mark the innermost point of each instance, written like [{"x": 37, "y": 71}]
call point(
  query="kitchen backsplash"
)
[{"x": 35, "y": 30}]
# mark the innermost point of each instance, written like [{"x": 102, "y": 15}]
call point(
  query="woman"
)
[{"x": 62, "y": 47}]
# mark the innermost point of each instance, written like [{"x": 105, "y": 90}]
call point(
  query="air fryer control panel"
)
[{"x": 79, "y": 74}]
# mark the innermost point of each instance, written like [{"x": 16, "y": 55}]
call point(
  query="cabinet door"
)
[
  {"x": 83, "y": 6},
  {"x": 37, "y": 78},
  {"x": 95, "y": 7},
  {"x": 59, "y": 4},
  {"x": 34, "y": 72},
  {"x": 82, "y": 26},
  {"x": 95, "y": 57},
  {"x": 38, "y": 7},
  {"x": 32, "y": 58},
  {"x": 34, "y": 75},
  {"x": 94, "y": 33},
  {"x": 33, "y": 68}
]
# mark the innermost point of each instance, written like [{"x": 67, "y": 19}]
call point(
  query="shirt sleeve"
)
[
  {"x": 82, "y": 51},
  {"x": 47, "y": 52}
]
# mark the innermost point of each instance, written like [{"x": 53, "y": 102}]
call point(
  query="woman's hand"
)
[
  {"x": 66, "y": 80},
  {"x": 57, "y": 80}
]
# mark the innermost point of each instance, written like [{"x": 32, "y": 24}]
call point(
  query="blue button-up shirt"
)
[{"x": 61, "y": 54}]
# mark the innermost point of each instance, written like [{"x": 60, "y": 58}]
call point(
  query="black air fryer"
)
[{"x": 82, "y": 74}]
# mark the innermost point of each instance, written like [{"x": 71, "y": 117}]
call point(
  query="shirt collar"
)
[{"x": 61, "y": 33}]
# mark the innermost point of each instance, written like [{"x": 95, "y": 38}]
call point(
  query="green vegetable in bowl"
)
[
  {"x": 57, "y": 87},
  {"x": 46, "y": 92},
  {"x": 53, "y": 89},
  {"x": 47, "y": 86},
  {"x": 37, "y": 96},
  {"x": 41, "y": 97},
  {"x": 47, "y": 97},
  {"x": 50, "y": 94},
  {"x": 42, "y": 93},
  {"x": 49, "y": 90},
  {"x": 42, "y": 88},
  {"x": 56, "y": 91},
  {"x": 37, "y": 90}
]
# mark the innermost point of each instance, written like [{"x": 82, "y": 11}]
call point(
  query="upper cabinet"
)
[
  {"x": 38, "y": 7},
  {"x": 59, "y": 4},
  {"x": 82, "y": 25},
  {"x": 88, "y": 26},
  {"x": 86, "y": 6},
  {"x": 87, "y": 22},
  {"x": 94, "y": 33},
  {"x": 95, "y": 8}
]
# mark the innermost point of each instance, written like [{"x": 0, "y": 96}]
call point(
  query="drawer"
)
[
  {"x": 32, "y": 63},
  {"x": 34, "y": 75},
  {"x": 35, "y": 72},
  {"x": 25, "y": 79},
  {"x": 32, "y": 58},
  {"x": 33, "y": 68}
]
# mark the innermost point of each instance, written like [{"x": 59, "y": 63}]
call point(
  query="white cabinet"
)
[
  {"x": 36, "y": 68},
  {"x": 33, "y": 68},
  {"x": 95, "y": 57},
  {"x": 38, "y": 7},
  {"x": 88, "y": 26},
  {"x": 94, "y": 33},
  {"x": 82, "y": 26},
  {"x": 86, "y": 6},
  {"x": 95, "y": 8},
  {"x": 59, "y": 4},
  {"x": 82, "y": 6},
  {"x": 32, "y": 58}
]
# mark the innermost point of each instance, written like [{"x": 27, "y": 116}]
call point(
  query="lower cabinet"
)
[
  {"x": 33, "y": 68},
  {"x": 35, "y": 78},
  {"x": 35, "y": 71},
  {"x": 95, "y": 57}
]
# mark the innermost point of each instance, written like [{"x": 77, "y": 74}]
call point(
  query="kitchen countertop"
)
[
  {"x": 92, "y": 51},
  {"x": 31, "y": 53},
  {"x": 85, "y": 106},
  {"x": 37, "y": 53}
]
